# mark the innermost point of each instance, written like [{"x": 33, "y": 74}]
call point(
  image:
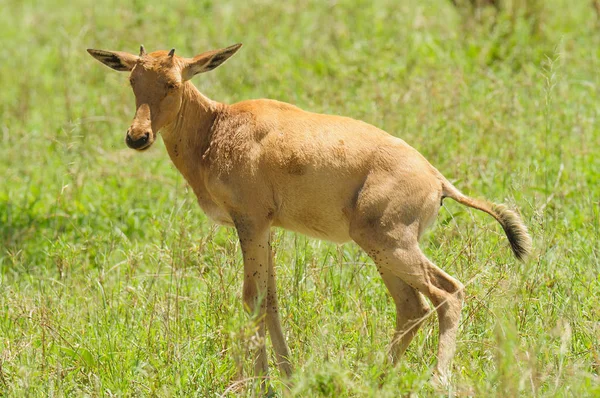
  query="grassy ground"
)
[{"x": 112, "y": 281}]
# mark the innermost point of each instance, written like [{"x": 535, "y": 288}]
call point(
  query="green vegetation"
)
[{"x": 113, "y": 282}]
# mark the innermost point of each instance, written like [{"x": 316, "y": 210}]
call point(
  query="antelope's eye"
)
[
  {"x": 171, "y": 86},
  {"x": 131, "y": 81}
]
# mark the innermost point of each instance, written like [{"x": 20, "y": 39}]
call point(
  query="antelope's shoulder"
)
[{"x": 237, "y": 133}]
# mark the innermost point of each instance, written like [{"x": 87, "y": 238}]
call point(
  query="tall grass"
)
[{"x": 113, "y": 282}]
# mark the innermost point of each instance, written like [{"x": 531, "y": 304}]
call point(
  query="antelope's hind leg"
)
[
  {"x": 397, "y": 255},
  {"x": 411, "y": 311}
]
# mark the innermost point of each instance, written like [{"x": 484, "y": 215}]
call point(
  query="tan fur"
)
[{"x": 263, "y": 163}]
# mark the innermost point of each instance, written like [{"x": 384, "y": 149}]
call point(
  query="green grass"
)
[{"x": 113, "y": 282}]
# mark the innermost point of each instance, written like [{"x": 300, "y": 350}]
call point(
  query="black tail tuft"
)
[{"x": 516, "y": 231}]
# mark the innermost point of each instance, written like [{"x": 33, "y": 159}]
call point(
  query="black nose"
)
[{"x": 139, "y": 143}]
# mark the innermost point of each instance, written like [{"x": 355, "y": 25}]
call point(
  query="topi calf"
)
[{"x": 262, "y": 163}]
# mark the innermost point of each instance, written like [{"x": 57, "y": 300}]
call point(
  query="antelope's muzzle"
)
[
  {"x": 139, "y": 135},
  {"x": 140, "y": 143}
]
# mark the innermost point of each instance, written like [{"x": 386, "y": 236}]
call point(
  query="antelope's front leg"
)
[
  {"x": 256, "y": 251},
  {"x": 274, "y": 325}
]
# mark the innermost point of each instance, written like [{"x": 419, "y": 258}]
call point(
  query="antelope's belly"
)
[{"x": 327, "y": 222}]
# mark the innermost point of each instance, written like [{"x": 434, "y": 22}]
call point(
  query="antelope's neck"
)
[{"x": 188, "y": 137}]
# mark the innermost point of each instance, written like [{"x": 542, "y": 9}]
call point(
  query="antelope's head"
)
[{"x": 157, "y": 80}]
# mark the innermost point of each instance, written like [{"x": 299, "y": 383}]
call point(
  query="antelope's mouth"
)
[{"x": 144, "y": 148}]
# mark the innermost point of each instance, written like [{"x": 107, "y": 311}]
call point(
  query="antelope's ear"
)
[
  {"x": 208, "y": 61},
  {"x": 116, "y": 60}
]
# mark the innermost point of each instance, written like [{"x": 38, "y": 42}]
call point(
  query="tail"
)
[{"x": 516, "y": 231}]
